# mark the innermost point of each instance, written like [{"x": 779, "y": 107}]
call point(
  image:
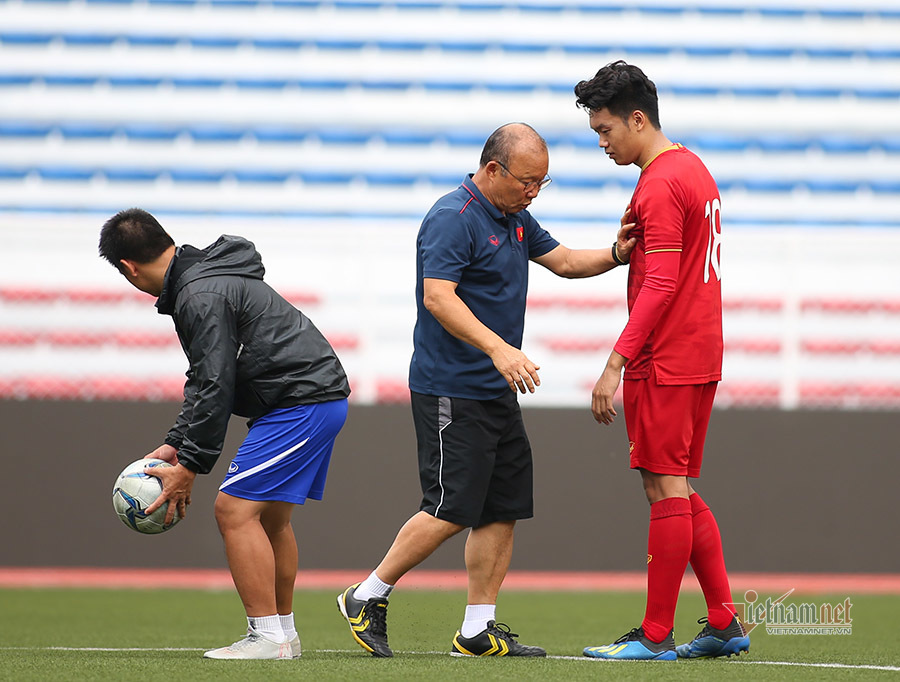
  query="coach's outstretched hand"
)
[
  {"x": 520, "y": 372},
  {"x": 177, "y": 482},
  {"x": 624, "y": 244}
]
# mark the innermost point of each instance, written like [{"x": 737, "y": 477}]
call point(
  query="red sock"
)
[
  {"x": 708, "y": 563},
  {"x": 668, "y": 551}
]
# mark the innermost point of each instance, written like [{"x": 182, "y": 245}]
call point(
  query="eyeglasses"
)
[{"x": 527, "y": 186}]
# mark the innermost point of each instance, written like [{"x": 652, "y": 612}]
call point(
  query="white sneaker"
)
[
  {"x": 254, "y": 646},
  {"x": 295, "y": 646}
]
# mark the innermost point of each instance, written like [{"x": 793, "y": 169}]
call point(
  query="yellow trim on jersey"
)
[
  {"x": 676, "y": 145},
  {"x": 663, "y": 251}
]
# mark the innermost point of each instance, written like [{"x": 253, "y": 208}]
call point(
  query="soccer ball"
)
[{"x": 134, "y": 491}]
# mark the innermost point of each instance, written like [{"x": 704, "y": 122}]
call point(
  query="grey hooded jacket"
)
[{"x": 249, "y": 351}]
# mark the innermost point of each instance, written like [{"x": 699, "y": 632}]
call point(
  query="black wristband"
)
[{"x": 615, "y": 255}]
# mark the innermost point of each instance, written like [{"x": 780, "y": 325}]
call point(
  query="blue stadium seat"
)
[
  {"x": 841, "y": 13},
  {"x": 150, "y": 131},
  {"x": 326, "y": 177},
  {"x": 277, "y": 43},
  {"x": 86, "y": 130},
  {"x": 215, "y": 42},
  {"x": 444, "y": 179},
  {"x": 757, "y": 90},
  {"x": 138, "y": 40},
  {"x": 215, "y": 133},
  {"x": 24, "y": 129},
  {"x": 689, "y": 90},
  {"x": 197, "y": 81},
  {"x": 262, "y": 176},
  {"x": 385, "y": 84},
  {"x": 65, "y": 173},
  {"x": 15, "y": 79},
  {"x": 778, "y": 185},
  {"x": 877, "y": 93},
  {"x": 718, "y": 142},
  {"x": 446, "y": 86},
  {"x": 388, "y": 178},
  {"x": 782, "y": 143},
  {"x": 70, "y": 80},
  {"x": 199, "y": 175},
  {"x": 464, "y": 45},
  {"x": 88, "y": 39},
  {"x": 134, "y": 81},
  {"x": 262, "y": 83},
  {"x": 830, "y": 52},
  {"x": 769, "y": 51},
  {"x": 397, "y": 136},
  {"x": 280, "y": 134},
  {"x": 406, "y": 45},
  {"x": 338, "y": 44},
  {"x": 816, "y": 91},
  {"x": 645, "y": 49},
  {"x": 12, "y": 173},
  {"x": 131, "y": 174},
  {"x": 25, "y": 38},
  {"x": 831, "y": 185},
  {"x": 845, "y": 145},
  {"x": 890, "y": 144},
  {"x": 342, "y": 136},
  {"x": 877, "y": 53},
  {"x": 880, "y": 186},
  {"x": 509, "y": 86},
  {"x": 321, "y": 83},
  {"x": 713, "y": 51},
  {"x": 466, "y": 138}
]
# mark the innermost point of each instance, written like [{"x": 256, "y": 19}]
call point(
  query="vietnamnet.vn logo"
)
[{"x": 782, "y": 617}]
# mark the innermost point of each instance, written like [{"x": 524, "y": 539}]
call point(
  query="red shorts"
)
[{"x": 667, "y": 425}]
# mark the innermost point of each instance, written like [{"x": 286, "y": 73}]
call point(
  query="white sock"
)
[
  {"x": 477, "y": 617},
  {"x": 287, "y": 625},
  {"x": 268, "y": 626},
  {"x": 372, "y": 588}
]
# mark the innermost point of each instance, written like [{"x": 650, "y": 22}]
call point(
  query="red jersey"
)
[{"x": 674, "y": 280}]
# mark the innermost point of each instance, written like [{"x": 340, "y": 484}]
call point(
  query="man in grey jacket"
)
[{"x": 250, "y": 353}]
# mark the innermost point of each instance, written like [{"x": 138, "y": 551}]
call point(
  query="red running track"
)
[{"x": 807, "y": 583}]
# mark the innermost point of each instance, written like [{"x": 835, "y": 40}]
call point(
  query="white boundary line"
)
[{"x": 841, "y": 666}]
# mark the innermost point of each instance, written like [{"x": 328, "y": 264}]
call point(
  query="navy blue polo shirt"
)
[{"x": 467, "y": 240}]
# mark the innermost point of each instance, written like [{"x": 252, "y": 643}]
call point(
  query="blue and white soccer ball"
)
[{"x": 134, "y": 491}]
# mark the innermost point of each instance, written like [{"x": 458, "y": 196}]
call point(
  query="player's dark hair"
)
[
  {"x": 501, "y": 143},
  {"x": 133, "y": 234},
  {"x": 622, "y": 88}
]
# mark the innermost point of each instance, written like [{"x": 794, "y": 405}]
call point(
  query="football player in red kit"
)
[{"x": 671, "y": 351}]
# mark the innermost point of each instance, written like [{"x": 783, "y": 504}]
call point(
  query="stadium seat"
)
[
  {"x": 334, "y": 123},
  {"x": 18, "y": 338},
  {"x": 748, "y": 394},
  {"x": 28, "y": 295},
  {"x": 389, "y": 391},
  {"x": 576, "y": 302}
]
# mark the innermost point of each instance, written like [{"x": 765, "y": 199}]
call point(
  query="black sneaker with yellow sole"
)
[
  {"x": 367, "y": 620},
  {"x": 495, "y": 640}
]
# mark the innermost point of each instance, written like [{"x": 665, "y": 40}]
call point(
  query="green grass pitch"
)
[{"x": 159, "y": 634}]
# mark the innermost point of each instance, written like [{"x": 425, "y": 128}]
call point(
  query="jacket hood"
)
[{"x": 228, "y": 255}]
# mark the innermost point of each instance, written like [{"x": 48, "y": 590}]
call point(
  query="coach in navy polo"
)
[
  {"x": 475, "y": 462},
  {"x": 467, "y": 240}
]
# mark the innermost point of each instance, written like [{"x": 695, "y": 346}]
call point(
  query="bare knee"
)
[
  {"x": 661, "y": 486},
  {"x": 276, "y": 518},
  {"x": 232, "y": 512}
]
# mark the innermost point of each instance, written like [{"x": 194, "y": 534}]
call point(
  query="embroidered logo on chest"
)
[{"x": 493, "y": 239}]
